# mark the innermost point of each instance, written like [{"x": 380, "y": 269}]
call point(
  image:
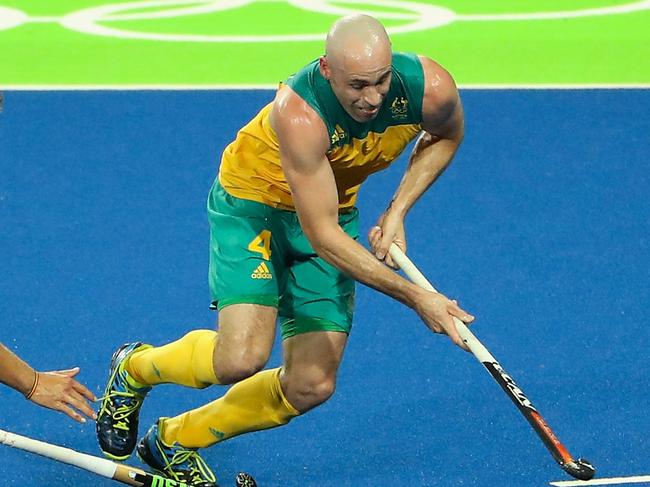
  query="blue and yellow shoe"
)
[
  {"x": 174, "y": 461},
  {"x": 117, "y": 419}
]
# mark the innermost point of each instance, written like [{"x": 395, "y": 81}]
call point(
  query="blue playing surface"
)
[{"x": 540, "y": 228}]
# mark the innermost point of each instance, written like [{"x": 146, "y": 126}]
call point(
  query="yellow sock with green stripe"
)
[
  {"x": 253, "y": 404},
  {"x": 187, "y": 361}
]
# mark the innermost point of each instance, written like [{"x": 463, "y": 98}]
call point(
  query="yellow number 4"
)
[{"x": 262, "y": 244}]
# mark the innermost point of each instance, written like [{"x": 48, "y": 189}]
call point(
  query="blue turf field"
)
[{"x": 541, "y": 228}]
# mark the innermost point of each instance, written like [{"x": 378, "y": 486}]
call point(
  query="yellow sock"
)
[
  {"x": 187, "y": 361},
  {"x": 253, "y": 404}
]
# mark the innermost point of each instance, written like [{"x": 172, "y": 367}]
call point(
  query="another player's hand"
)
[
  {"x": 389, "y": 229},
  {"x": 437, "y": 312},
  {"x": 59, "y": 391}
]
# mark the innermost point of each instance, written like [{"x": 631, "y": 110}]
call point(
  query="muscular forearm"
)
[
  {"x": 14, "y": 372},
  {"x": 344, "y": 253},
  {"x": 428, "y": 161}
]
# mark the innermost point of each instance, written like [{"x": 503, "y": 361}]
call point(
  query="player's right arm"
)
[{"x": 304, "y": 142}]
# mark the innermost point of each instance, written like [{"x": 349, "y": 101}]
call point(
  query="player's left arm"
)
[{"x": 442, "y": 124}]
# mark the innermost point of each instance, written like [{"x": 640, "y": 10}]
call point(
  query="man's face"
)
[{"x": 359, "y": 85}]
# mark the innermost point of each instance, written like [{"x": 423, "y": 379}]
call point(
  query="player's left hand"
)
[{"x": 389, "y": 229}]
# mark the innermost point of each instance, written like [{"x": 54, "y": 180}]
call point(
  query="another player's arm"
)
[
  {"x": 442, "y": 115},
  {"x": 304, "y": 143},
  {"x": 55, "y": 390},
  {"x": 15, "y": 372}
]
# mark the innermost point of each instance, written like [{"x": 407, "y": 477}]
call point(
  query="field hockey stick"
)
[
  {"x": 100, "y": 466},
  {"x": 580, "y": 468}
]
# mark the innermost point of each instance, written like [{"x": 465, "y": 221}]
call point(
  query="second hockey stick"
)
[{"x": 578, "y": 468}]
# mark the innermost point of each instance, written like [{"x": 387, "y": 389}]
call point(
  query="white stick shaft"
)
[
  {"x": 100, "y": 466},
  {"x": 476, "y": 347}
]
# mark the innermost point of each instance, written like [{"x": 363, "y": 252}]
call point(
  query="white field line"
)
[
  {"x": 198, "y": 87},
  {"x": 641, "y": 479},
  {"x": 567, "y": 14}
]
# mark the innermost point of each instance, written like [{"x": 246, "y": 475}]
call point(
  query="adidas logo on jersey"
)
[{"x": 262, "y": 272}]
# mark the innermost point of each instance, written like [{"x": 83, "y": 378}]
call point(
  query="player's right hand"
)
[
  {"x": 437, "y": 312},
  {"x": 59, "y": 391}
]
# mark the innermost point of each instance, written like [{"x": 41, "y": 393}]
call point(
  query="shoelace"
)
[
  {"x": 123, "y": 411},
  {"x": 198, "y": 469}
]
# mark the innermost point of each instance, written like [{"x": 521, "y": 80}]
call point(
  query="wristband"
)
[{"x": 34, "y": 386}]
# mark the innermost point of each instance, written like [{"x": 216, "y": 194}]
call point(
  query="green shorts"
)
[{"x": 260, "y": 255}]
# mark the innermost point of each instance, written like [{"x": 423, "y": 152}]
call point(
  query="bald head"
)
[
  {"x": 357, "y": 39},
  {"x": 357, "y": 65}
]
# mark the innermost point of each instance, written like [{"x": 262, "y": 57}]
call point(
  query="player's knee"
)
[
  {"x": 322, "y": 391},
  {"x": 307, "y": 394},
  {"x": 240, "y": 366}
]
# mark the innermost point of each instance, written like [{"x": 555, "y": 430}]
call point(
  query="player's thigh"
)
[
  {"x": 243, "y": 282},
  {"x": 246, "y": 336}
]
